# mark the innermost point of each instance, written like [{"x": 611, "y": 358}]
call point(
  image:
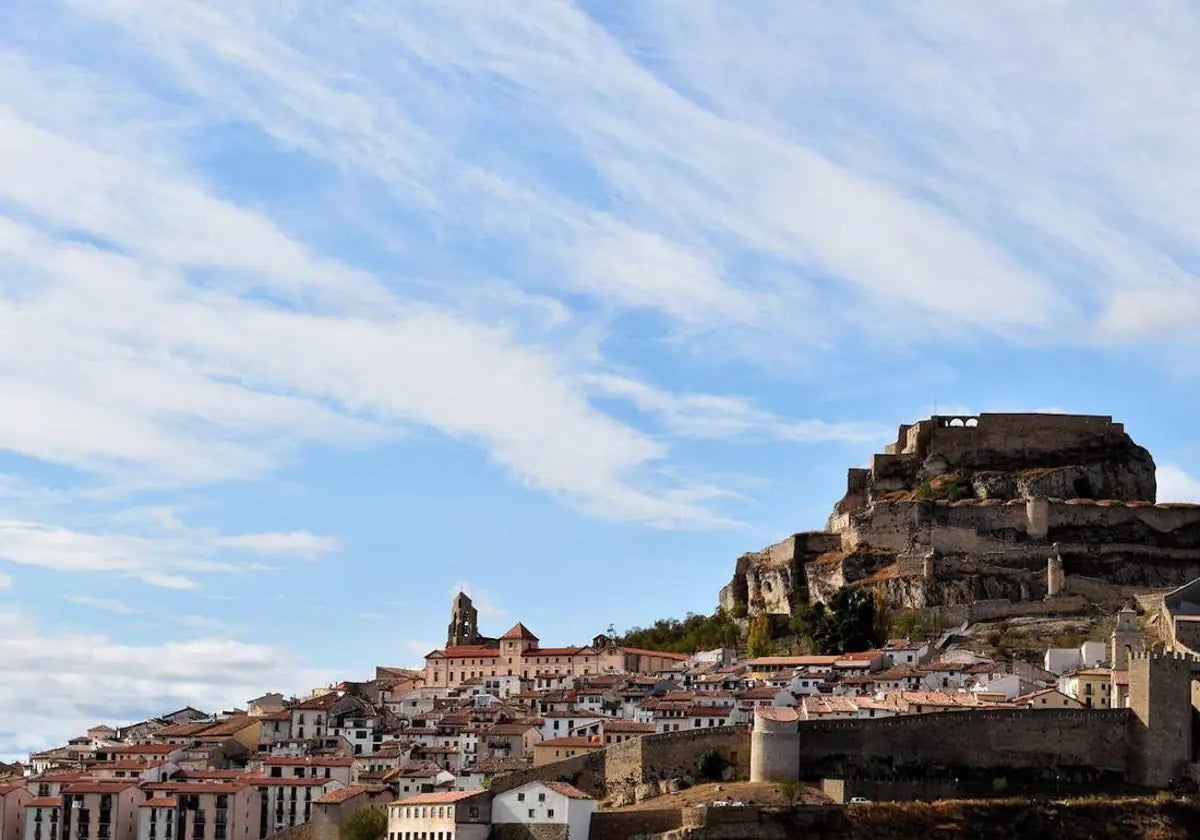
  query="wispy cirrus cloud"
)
[
  {"x": 111, "y": 605},
  {"x": 711, "y": 416},
  {"x": 171, "y": 560}
]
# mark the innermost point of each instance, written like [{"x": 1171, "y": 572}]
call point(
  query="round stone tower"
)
[
  {"x": 775, "y": 744},
  {"x": 1056, "y": 578}
]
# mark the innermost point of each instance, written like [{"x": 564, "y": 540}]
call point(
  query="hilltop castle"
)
[{"x": 1012, "y": 508}]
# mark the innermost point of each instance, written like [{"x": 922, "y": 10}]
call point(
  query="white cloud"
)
[
  {"x": 83, "y": 680},
  {"x": 206, "y": 385},
  {"x": 111, "y": 605},
  {"x": 693, "y": 183},
  {"x": 5, "y": 581},
  {"x": 1152, "y": 312},
  {"x": 730, "y": 418},
  {"x": 294, "y": 543},
  {"x": 1176, "y": 485},
  {"x": 170, "y": 560}
]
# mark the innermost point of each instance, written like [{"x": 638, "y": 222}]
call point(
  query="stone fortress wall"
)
[
  {"x": 1149, "y": 744},
  {"x": 636, "y": 769}
]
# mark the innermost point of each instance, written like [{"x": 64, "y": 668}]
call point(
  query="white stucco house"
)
[{"x": 546, "y": 803}]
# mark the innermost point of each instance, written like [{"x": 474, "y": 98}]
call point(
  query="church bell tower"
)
[{"x": 464, "y": 623}]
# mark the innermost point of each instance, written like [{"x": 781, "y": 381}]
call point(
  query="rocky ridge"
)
[{"x": 974, "y": 510}]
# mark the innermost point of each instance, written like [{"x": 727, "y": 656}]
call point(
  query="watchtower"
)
[
  {"x": 464, "y": 623},
  {"x": 1126, "y": 638},
  {"x": 1160, "y": 696}
]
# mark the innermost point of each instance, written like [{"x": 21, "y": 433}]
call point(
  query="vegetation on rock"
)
[
  {"x": 695, "y": 632},
  {"x": 758, "y": 641},
  {"x": 364, "y": 824},
  {"x": 853, "y": 620}
]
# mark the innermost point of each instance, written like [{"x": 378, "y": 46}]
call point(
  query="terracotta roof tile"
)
[
  {"x": 778, "y": 714},
  {"x": 569, "y": 791},
  {"x": 440, "y": 798},
  {"x": 519, "y": 631},
  {"x": 336, "y": 796}
]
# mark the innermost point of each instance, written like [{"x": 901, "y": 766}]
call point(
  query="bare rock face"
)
[{"x": 967, "y": 509}]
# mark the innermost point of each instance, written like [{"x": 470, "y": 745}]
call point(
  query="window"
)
[
  {"x": 531, "y": 813},
  {"x": 520, "y": 797},
  {"x": 541, "y": 797},
  {"x": 550, "y": 812}
]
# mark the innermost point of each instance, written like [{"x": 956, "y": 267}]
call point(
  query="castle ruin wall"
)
[{"x": 916, "y": 746}]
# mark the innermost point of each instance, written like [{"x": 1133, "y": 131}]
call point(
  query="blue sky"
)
[{"x": 313, "y": 313}]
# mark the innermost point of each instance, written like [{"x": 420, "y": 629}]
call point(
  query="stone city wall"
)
[
  {"x": 532, "y": 831},
  {"x": 911, "y": 745},
  {"x": 996, "y": 609},
  {"x": 621, "y": 825},
  {"x": 636, "y": 767}
]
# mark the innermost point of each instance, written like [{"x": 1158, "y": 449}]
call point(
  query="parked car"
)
[{"x": 859, "y": 800}]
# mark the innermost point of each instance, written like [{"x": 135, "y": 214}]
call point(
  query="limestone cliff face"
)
[
  {"x": 772, "y": 580},
  {"x": 966, "y": 509}
]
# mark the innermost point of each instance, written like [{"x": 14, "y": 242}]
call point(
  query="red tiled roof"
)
[
  {"x": 519, "y": 631},
  {"x": 466, "y": 652},
  {"x": 778, "y": 714},
  {"x": 512, "y": 728},
  {"x": 146, "y": 749},
  {"x": 440, "y": 798},
  {"x": 163, "y": 802},
  {"x": 709, "y": 711},
  {"x": 127, "y": 764},
  {"x": 569, "y": 791},
  {"x": 180, "y": 730},
  {"x": 195, "y": 787},
  {"x": 320, "y": 703},
  {"x": 225, "y": 728},
  {"x": 44, "y": 802},
  {"x": 212, "y": 774},
  {"x": 100, "y": 786},
  {"x": 310, "y": 761},
  {"x": 336, "y": 796}
]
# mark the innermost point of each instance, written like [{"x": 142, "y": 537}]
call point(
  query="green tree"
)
[
  {"x": 849, "y": 622},
  {"x": 364, "y": 824},
  {"x": 883, "y": 617},
  {"x": 758, "y": 643},
  {"x": 814, "y": 623},
  {"x": 789, "y": 789},
  {"x": 910, "y": 624},
  {"x": 693, "y": 633}
]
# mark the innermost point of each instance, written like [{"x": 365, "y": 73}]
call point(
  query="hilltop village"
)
[{"x": 504, "y": 737}]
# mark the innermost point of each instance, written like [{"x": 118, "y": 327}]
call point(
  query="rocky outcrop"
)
[
  {"x": 966, "y": 509},
  {"x": 773, "y": 580}
]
